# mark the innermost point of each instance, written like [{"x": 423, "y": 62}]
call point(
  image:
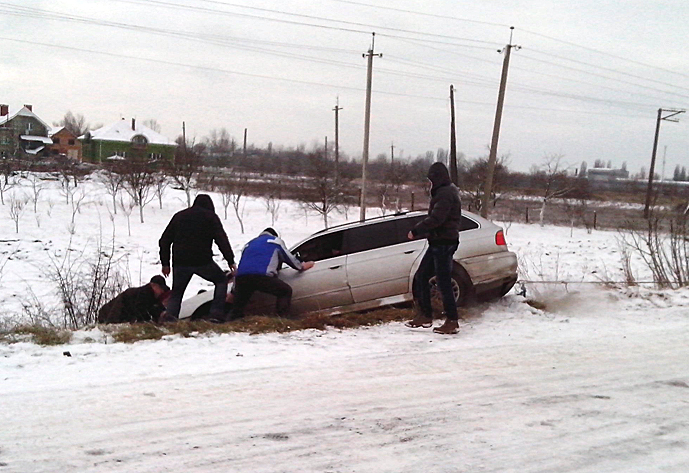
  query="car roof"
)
[{"x": 482, "y": 222}]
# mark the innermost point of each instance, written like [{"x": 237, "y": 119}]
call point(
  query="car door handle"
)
[
  {"x": 409, "y": 252},
  {"x": 335, "y": 267}
]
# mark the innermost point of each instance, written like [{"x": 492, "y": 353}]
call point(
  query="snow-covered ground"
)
[{"x": 597, "y": 382}]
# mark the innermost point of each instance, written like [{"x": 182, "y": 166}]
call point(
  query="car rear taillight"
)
[{"x": 500, "y": 238}]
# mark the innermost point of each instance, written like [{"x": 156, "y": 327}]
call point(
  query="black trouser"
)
[
  {"x": 244, "y": 287},
  {"x": 436, "y": 262},
  {"x": 181, "y": 275}
]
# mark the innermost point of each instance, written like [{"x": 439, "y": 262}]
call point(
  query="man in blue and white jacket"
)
[{"x": 258, "y": 270}]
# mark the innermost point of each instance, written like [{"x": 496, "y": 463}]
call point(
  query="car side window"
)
[
  {"x": 404, "y": 226},
  {"x": 321, "y": 247},
  {"x": 467, "y": 224},
  {"x": 368, "y": 237}
]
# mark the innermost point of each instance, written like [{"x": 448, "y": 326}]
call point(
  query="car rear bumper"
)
[{"x": 492, "y": 269}]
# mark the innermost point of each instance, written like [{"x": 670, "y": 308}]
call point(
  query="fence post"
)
[
  {"x": 412, "y": 201},
  {"x": 527, "y": 215},
  {"x": 595, "y": 219}
]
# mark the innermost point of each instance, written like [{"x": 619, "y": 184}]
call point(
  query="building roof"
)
[
  {"x": 42, "y": 139},
  {"x": 122, "y": 131},
  {"x": 56, "y": 130},
  {"x": 24, "y": 112}
]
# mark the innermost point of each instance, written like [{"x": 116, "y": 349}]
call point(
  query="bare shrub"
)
[
  {"x": 85, "y": 282},
  {"x": 663, "y": 247}
]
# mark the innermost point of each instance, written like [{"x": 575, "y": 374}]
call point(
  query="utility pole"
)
[
  {"x": 488, "y": 186},
  {"x": 337, "y": 143},
  {"x": 367, "y": 125},
  {"x": 392, "y": 154},
  {"x": 325, "y": 150},
  {"x": 672, "y": 113},
  {"x": 245, "y": 130},
  {"x": 453, "y": 139}
]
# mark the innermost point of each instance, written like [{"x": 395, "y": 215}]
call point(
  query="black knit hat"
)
[{"x": 160, "y": 281}]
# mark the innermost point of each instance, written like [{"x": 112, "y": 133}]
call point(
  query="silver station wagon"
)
[{"x": 363, "y": 265}]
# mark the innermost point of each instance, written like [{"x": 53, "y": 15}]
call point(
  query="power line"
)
[
  {"x": 311, "y": 17},
  {"x": 598, "y": 51}
]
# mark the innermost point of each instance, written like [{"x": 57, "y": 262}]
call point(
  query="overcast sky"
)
[{"x": 587, "y": 83}]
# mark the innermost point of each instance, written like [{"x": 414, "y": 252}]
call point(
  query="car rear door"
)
[{"x": 379, "y": 259}]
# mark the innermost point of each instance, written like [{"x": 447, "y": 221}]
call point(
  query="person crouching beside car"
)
[
  {"x": 137, "y": 304},
  {"x": 258, "y": 270}
]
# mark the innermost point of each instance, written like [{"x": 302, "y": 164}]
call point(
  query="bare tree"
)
[
  {"x": 138, "y": 173},
  {"x": 272, "y": 205},
  {"x": 475, "y": 178},
  {"x": 233, "y": 191},
  {"x": 161, "y": 184},
  {"x": 127, "y": 208},
  {"x": 220, "y": 141},
  {"x": 16, "y": 210},
  {"x": 8, "y": 176},
  {"x": 75, "y": 124},
  {"x": 112, "y": 181},
  {"x": 186, "y": 166},
  {"x": 551, "y": 177},
  {"x": 318, "y": 192},
  {"x": 153, "y": 124},
  {"x": 36, "y": 189}
]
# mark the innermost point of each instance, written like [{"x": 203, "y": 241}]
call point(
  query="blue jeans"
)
[
  {"x": 436, "y": 262},
  {"x": 181, "y": 275}
]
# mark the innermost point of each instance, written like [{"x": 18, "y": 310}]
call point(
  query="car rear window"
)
[{"x": 368, "y": 237}]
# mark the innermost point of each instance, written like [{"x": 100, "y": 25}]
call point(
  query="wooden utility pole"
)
[
  {"x": 337, "y": 142},
  {"x": 325, "y": 150},
  {"x": 245, "y": 130},
  {"x": 367, "y": 125},
  {"x": 668, "y": 118},
  {"x": 453, "y": 139},
  {"x": 492, "y": 158},
  {"x": 392, "y": 154}
]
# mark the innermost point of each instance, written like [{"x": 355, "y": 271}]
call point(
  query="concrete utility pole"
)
[
  {"x": 488, "y": 186},
  {"x": 367, "y": 125},
  {"x": 325, "y": 150},
  {"x": 245, "y": 130},
  {"x": 337, "y": 143},
  {"x": 453, "y": 139},
  {"x": 672, "y": 113}
]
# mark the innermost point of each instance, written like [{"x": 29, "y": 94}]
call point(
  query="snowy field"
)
[{"x": 597, "y": 382}]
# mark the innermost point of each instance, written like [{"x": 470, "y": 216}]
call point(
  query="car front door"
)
[
  {"x": 380, "y": 258},
  {"x": 325, "y": 285}
]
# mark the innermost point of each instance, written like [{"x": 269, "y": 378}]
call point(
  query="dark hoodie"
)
[
  {"x": 441, "y": 227},
  {"x": 191, "y": 233}
]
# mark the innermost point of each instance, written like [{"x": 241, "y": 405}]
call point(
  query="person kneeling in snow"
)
[
  {"x": 137, "y": 304},
  {"x": 258, "y": 270}
]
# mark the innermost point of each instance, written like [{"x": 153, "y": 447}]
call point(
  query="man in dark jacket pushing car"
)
[
  {"x": 441, "y": 228},
  {"x": 191, "y": 232}
]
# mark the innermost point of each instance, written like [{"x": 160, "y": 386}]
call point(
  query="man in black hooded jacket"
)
[
  {"x": 441, "y": 228},
  {"x": 191, "y": 233}
]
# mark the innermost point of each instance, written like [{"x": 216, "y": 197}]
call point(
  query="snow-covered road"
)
[{"x": 520, "y": 390}]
